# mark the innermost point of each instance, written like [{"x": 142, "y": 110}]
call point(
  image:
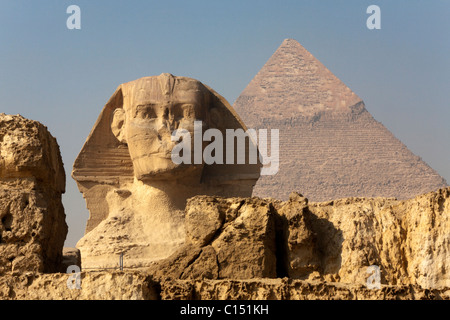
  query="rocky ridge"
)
[
  {"x": 132, "y": 285},
  {"x": 253, "y": 248},
  {"x": 335, "y": 241}
]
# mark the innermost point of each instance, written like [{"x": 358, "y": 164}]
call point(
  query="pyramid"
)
[{"x": 330, "y": 145}]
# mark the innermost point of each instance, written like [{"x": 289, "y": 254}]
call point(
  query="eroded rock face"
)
[
  {"x": 226, "y": 238},
  {"x": 70, "y": 257},
  {"x": 300, "y": 251},
  {"x": 291, "y": 289},
  {"x": 93, "y": 286},
  {"x": 32, "y": 180},
  {"x": 408, "y": 240},
  {"x": 337, "y": 241}
]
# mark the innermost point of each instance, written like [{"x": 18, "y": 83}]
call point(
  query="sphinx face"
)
[{"x": 153, "y": 108}]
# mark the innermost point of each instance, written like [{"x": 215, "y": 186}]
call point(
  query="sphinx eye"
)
[
  {"x": 188, "y": 111},
  {"x": 145, "y": 112}
]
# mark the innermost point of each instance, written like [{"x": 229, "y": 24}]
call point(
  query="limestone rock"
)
[
  {"x": 292, "y": 250},
  {"x": 205, "y": 266},
  {"x": 408, "y": 240},
  {"x": 334, "y": 241},
  {"x": 246, "y": 248},
  {"x": 140, "y": 286},
  {"x": 301, "y": 255},
  {"x": 174, "y": 266},
  {"x": 71, "y": 257},
  {"x": 426, "y": 224},
  {"x": 290, "y": 289},
  {"x": 189, "y": 262},
  {"x": 28, "y": 150},
  {"x": 203, "y": 219},
  {"x": 32, "y": 180},
  {"x": 242, "y": 247},
  {"x": 93, "y": 286}
]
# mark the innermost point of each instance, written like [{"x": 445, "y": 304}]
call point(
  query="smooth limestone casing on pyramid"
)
[{"x": 330, "y": 145}]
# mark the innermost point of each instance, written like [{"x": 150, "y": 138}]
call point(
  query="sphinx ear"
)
[{"x": 118, "y": 125}]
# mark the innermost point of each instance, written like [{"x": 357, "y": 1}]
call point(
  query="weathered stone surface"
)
[
  {"x": 203, "y": 219},
  {"x": 243, "y": 247},
  {"x": 205, "y": 266},
  {"x": 330, "y": 145},
  {"x": 335, "y": 241},
  {"x": 174, "y": 266},
  {"x": 135, "y": 192},
  {"x": 71, "y": 257},
  {"x": 28, "y": 150},
  {"x": 94, "y": 286},
  {"x": 324, "y": 248},
  {"x": 409, "y": 240},
  {"x": 301, "y": 256},
  {"x": 32, "y": 179},
  {"x": 139, "y": 286},
  {"x": 426, "y": 221},
  {"x": 246, "y": 248},
  {"x": 290, "y": 289}
]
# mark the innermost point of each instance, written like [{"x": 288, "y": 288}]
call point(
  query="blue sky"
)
[{"x": 63, "y": 77}]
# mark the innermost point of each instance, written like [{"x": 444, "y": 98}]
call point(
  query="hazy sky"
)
[{"x": 64, "y": 77}]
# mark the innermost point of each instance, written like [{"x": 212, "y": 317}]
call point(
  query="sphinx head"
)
[
  {"x": 131, "y": 140},
  {"x": 152, "y": 109}
]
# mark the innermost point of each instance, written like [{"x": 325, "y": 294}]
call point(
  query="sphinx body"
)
[{"x": 135, "y": 193}]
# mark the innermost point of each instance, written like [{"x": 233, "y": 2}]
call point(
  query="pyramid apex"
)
[
  {"x": 295, "y": 79},
  {"x": 291, "y": 44},
  {"x": 289, "y": 40}
]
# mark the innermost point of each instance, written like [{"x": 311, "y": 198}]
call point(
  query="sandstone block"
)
[
  {"x": 93, "y": 286},
  {"x": 291, "y": 289},
  {"x": 408, "y": 240},
  {"x": 32, "y": 180},
  {"x": 70, "y": 257},
  {"x": 331, "y": 146},
  {"x": 203, "y": 219},
  {"x": 242, "y": 247},
  {"x": 301, "y": 253},
  {"x": 246, "y": 247}
]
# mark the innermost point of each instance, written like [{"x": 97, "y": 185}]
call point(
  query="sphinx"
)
[{"x": 134, "y": 192}]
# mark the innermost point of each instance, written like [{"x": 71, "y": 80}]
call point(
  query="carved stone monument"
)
[
  {"x": 331, "y": 146},
  {"x": 135, "y": 193}
]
